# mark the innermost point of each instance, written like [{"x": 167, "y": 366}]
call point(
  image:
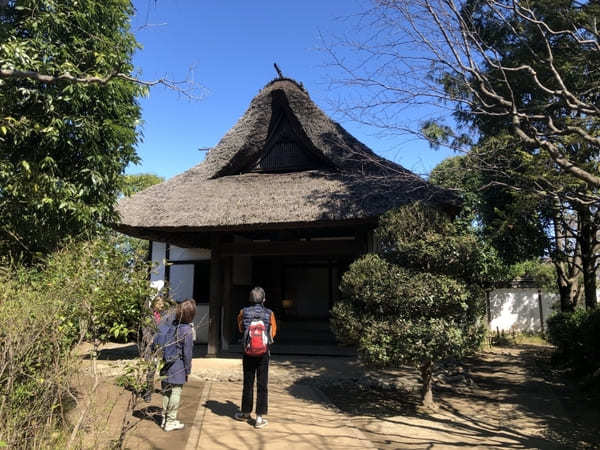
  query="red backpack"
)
[{"x": 256, "y": 341}]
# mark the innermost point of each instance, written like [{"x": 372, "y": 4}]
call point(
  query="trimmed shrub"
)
[
  {"x": 397, "y": 316},
  {"x": 575, "y": 335},
  {"x": 419, "y": 300}
]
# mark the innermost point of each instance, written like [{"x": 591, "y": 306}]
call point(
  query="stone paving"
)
[
  {"x": 297, "y": 420},
  {"x": 300, "y": 416}
]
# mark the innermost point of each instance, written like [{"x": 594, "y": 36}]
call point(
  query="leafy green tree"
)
[
  {"x": 520, "y": 79},
  {"x": 453, "y": 173},
  {"x": 541, "y": 272},
  {"x": 520, "y": 223},
  {"x": 68, "y": 123},
  {"x": 511, "y": 222},
  {"x": 420, "y": 298},
  {"x": 135, "y": 183}
]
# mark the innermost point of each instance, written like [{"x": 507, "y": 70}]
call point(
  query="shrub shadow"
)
[
  {"x": 151, "y": 413},
  {"x": 516, "y": 401}
]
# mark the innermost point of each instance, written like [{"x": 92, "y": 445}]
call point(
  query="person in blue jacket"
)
[{"x": 175, "y": 374}]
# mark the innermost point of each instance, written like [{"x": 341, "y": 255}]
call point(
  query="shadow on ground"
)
[
  {"x": 516, "y": 401},
  {"x": 225, "y": 409},
  {"x": 151, "y": 413},
  {"x": 114, "y": 352}
]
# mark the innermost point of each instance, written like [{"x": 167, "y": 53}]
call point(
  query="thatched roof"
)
[{"x": 284, "y": 162}]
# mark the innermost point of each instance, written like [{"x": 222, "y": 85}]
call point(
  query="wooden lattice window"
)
[{"x": 284, "y": 152}]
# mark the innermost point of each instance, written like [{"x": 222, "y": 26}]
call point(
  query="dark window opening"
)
[{"x": 202, "y": 281}]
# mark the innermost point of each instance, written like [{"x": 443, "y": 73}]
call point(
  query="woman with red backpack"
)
[{"x": 258, "y": 327}]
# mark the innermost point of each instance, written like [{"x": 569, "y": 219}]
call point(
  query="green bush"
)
[
  {"x": 36, "y": 363},
  {"x": 542, "y": 273},
  {"x": 88, "y": 290},
  {"x": 396, "y": 316},
  {"x": 104, "y": 283},
  {"x": 575, "y": 335},
  {"x": 419, "y": 300}
]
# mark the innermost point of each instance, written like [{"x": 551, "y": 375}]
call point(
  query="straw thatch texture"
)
[{"x": 222, "y": 192}]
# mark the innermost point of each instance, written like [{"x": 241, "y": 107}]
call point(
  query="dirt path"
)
[
  {"x": 512, "y": 400},
  {"x": 515, "y": 402}
]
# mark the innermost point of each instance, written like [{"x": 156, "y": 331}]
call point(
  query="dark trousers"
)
[{"x": 256, "y": 366}]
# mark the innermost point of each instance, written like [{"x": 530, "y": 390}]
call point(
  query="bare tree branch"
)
[
  {"x": 186, "y": 88},
  {"x": 428, "y": 54}
]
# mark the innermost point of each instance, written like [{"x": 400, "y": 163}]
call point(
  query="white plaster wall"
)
[
  {"x": 187, "y": 254},
  {"x": 181, "y": 279},
  {"x": 518, "y": 309},
  {"x": 157, "y": 276}
]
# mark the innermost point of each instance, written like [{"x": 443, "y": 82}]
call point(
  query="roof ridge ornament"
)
[{"x": 278, "y": 71}]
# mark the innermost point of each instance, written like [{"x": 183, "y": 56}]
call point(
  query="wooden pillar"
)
[
  {"x": 541, "y": 310},
  {"x": 330, "y": 284},
  {"x": 228, "y": 318},
  {"x": 362, "y": 239},
  {"x": 276, "y": 294},
  {"x": 216, "y": 297}
]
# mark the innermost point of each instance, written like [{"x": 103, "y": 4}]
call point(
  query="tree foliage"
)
[
  {"x": 135, "y": 183},
  {"x": 63, "y": 145},
  {"x": 94, "y": 290},
  {"x": 522, "y": 67},
  {"x": 522, "y": 225},
  {"x": 513, "y": 223},
  {"x": 575, "y": 336},
  {"x": 419, "y": 299}
]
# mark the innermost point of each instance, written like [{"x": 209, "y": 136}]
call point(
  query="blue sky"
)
[{"x": 231, "y": 46}]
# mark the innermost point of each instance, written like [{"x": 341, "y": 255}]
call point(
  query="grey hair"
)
[{"x": 257, "y": 295}]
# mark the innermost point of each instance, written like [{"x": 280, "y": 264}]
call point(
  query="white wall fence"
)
[{"x": 520, "y": 309}]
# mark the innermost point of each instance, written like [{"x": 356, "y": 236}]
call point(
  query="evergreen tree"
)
[
  {"x": 420, "y": 298},
  {"x": 68, "y": 128}
]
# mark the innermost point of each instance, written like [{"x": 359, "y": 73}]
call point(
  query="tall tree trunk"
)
[
  {"x": 587, "y": 238},
  {"x": 566, "y": 260},
  {"x": 426, "y": 389},
  {"x": 568, "y": 289}
]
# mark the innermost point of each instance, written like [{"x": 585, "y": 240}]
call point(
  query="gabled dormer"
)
[
  {"x": 284, "y": 147},
  {"x": 287, "y": 148}
]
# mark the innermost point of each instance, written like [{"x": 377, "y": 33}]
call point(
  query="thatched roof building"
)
[
  {"x": 284, "y": 163},
  {"x": 286, "y": 200}
]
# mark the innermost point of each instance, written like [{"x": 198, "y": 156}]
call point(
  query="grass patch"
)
[{"x": 513, "y": 339}]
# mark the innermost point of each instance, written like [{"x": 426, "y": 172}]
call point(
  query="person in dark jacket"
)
[
  {"x": 256, "y": 366},
  {"x": 175, "y": 374}
]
